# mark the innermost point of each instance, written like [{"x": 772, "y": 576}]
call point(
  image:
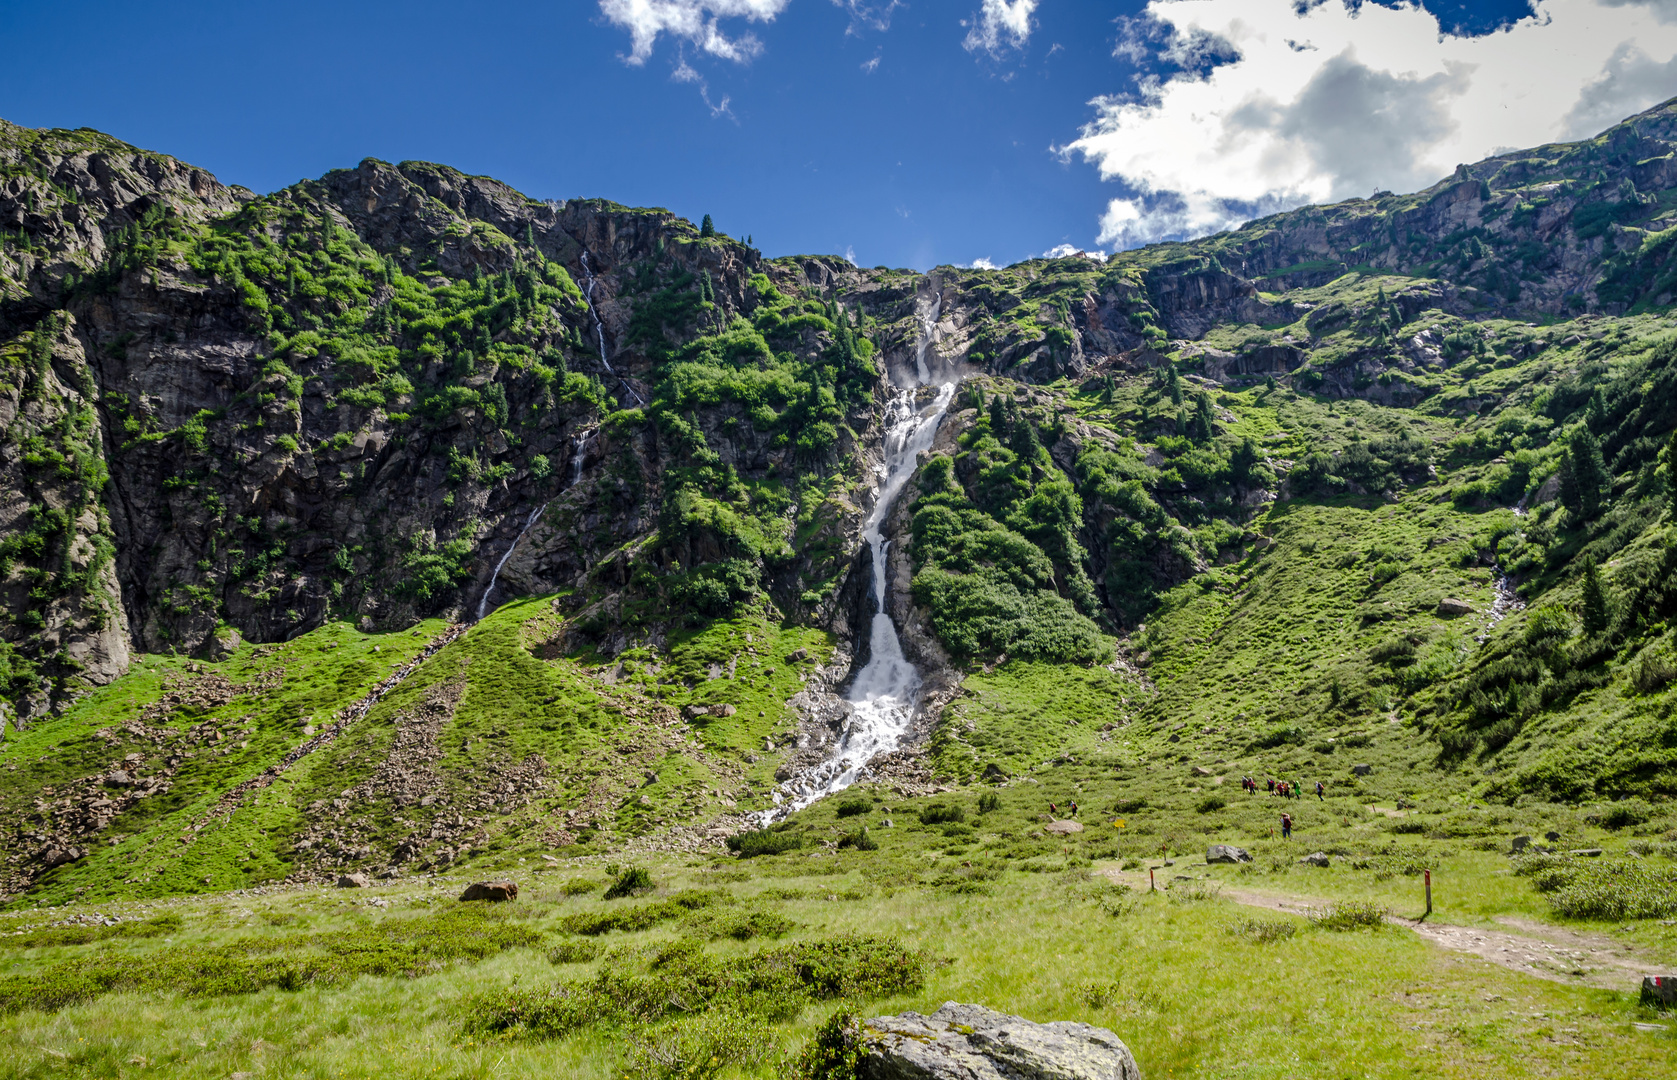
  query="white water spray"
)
[
  {"x": 535, "y": 515},
  {"x": 887, "y": 690},
  {"x": 600, "y": 329}
]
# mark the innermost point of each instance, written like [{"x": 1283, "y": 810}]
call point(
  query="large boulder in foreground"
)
[{"x": 970, "y": 1042}]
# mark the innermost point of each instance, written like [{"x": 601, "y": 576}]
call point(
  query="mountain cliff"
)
[{"x": 1394, "y": 468}]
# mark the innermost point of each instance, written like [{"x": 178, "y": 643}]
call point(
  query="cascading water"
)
[
  {"x": 600, "y": 329},
  {"x": 887, "y": 689},
  {"x": 535, "y": 515}
]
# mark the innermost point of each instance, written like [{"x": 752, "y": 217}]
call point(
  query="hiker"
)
[
  {"x": 1286, "y": 826},
  {"x": 1270, "y": 780},
  {"x": 1298, "y": 790},
  {"x": 1282, "y": 787},
  {"x": 1054, "y": 808},
  {"x": 1320, "y": 796},
  {"x": 1074, "y": 808}
]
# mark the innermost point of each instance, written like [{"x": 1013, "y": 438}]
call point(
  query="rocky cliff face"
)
[{"x": 239, "y": 415}]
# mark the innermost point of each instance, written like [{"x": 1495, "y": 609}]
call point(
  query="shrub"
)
[
  {"x": 574, "y": 952},
  {"x": 1349, "y": 915},
  {"x": 579, "y": 886},
  {"x": 700, "y": 1047},
  {"x": 834, "y": 1052},
  {"x": 853, "y": 807},
  {"x": 741, "y": 924},
  {"x": 1211, "y": 803},
  {"x": 749, "y": 845},
  {"x": 938, "y": 813},
  {"x": 1629, "y": 812},
  {"x": 860, "y": 840},
  {"x": 84, "y": 935},
  {"x": 1264, "y": 931},
  {"x": 1098, "y": 995},
  {"x": 1615, "y": 890},
  {"x": 988, "y": 802},
  {"x": 632, "y": 882}
]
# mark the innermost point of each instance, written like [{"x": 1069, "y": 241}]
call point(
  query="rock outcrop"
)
[{"x": 970, "y": 1042}]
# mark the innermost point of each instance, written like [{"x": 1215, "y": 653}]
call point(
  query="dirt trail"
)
[{"x": 1534, "y": 948}]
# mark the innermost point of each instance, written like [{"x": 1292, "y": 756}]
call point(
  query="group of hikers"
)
[{"x": 1287, "y": 789}]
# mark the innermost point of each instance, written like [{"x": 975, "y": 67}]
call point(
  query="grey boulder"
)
[
  {"x": 970, "y": 1042},
  {"x": 1316, "y": 858},
  {"x": 1227, "y": 853},
  {"x": 354, "y": 881}
]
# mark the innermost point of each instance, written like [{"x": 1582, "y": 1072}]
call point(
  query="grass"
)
[{"x": 1379, "y": 1005}]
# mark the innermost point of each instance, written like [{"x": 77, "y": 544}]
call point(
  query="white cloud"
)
[
  {"x": 982, "y": 264},
  {"x": 1253, "y": 106},
  {"x": 999, "y": 25},
  {"x": 1060, "y": 251},
  {"x": 693, "y": 21},
  {"x": 870, "y": 66}
]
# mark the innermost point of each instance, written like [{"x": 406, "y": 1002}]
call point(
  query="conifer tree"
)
[
  {"x": 1173, "y": 383},
  {"x": 1583, "y": 475},
  {"x": 1671, "y": 473},
  {"x": 998, "y": 416},
  {"x": 1597, "y": 601},
  {"x": 706, "y": 228},
  {"x": 1204, "y": 417}
]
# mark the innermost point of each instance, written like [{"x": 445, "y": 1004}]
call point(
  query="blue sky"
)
[{"x": 891, "y": 132}]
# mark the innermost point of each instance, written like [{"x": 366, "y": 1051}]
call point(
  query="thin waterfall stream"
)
[
  {"x": 535, "y": 516},
  {"x": 887, "y": 690},
  {"x": 600, "y": 329}
]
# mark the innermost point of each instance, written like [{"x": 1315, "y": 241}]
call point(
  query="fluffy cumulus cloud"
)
[
  {"x": 697, "y": 22},
  {"x": 1000, "y": 25},
  {"x": 1251, "y": 106}
]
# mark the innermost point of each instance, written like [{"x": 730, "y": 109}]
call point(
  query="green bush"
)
[
  {"x": 989, "y": 801},
  {"x": 938, "y": 813},
  {"x": 632, "y": 882},
  {"x": 700, "y": 1047},
  {"x": 1264, "y": 931},
  {"x": 834, "y": 1052},
  {"x": 1211, "y": 803},
  {"x": 853, "y": 807},
  {"x": 1350, "y": 915},
  {"x": 574, "y": 952},
  {"x": 749, "y": 845},
  {"x": 861, "y": 840}
]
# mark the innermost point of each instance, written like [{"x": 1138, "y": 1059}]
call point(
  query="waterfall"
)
[
  {"x": 535, "y": 515},
  {"x": 483, "y": 601},
  {"x": 600, "y": 329},
  {"x": 887, "y": 690}
]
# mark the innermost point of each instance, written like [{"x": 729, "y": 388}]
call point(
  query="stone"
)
[
  {"x": 493, "y": 891},
  {"x": 1361, "y": 770},
  {"x": 1316, "y": 858},
  {"x": 693, "y": 712},
  {"x": 1226, "y": 853},
  {"x": 1551, "y": 836},
  {"x": 1201, "y": 770},
  {"x": 1451, "y": 606},
  {"x": 797, "y": 656},
  {"x": 1174, "y": 738},
  {"x": 1659, "y": 990},
  {"x": 1521, "y": 843},
  {"x": 970, "y": 1042},
  {"x": 1587, "y": 853},
  {"x": 119, "y": 779},
  {"x": 994, "y": 773},
  {"x": 1063, "y": 828},
  {"x": 354, "y": 881},
  {"x": 723, "y": 710}
]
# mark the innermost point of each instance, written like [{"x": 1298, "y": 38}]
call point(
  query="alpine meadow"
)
[{"x": 447, "y": 633}]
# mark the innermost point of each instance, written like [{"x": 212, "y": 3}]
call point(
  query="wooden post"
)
[
  {"x": 1152, "y": 886},
  {"x": 1429, "y": 892}
]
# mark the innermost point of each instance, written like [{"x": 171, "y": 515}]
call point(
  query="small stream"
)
[{"x": 600, "y": 330}]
